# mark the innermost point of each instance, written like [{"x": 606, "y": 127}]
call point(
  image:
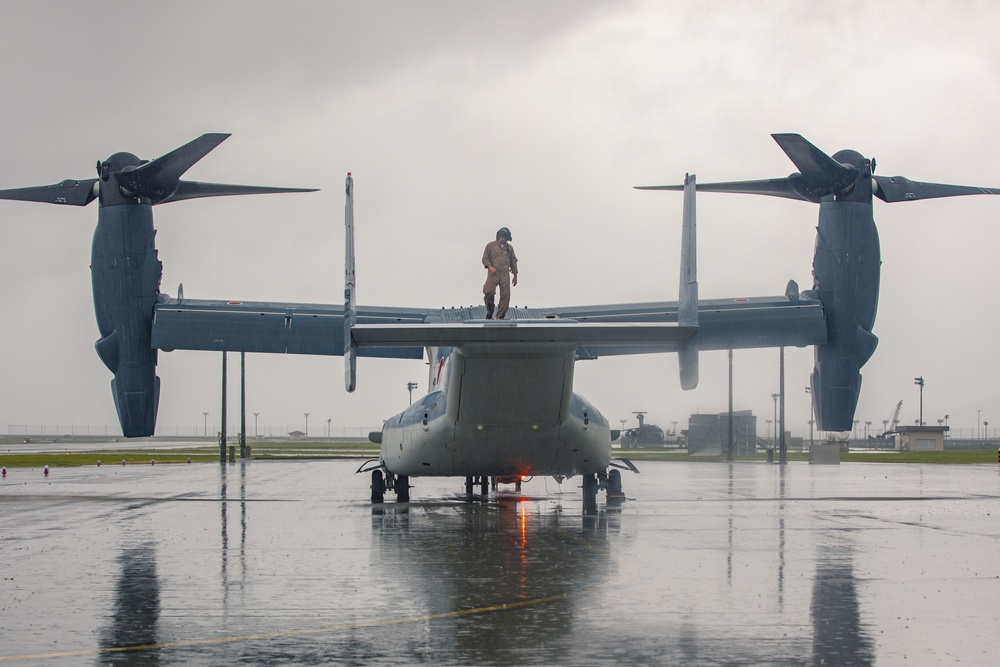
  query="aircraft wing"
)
[
  {"x": 791, "y": 320},
  {"x": 282, "y": 328},
  {"x": 403, "y": 333}
]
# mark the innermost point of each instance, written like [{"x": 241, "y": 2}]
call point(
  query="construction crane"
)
[{"x": 892, "y": 422}]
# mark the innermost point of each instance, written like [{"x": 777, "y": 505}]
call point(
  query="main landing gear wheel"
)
[
  {"x": 590, "y": 494},
  {"x": 378, "y": 486},
  {"x": 402, "y": 489},
  {"x": 469, "y": 486},
  {"x": 615, "y": 485},
  {"x": 484, "y": 485}
]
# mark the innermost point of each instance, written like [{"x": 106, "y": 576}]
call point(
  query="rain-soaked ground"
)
[{"x": 270, "y": 563}]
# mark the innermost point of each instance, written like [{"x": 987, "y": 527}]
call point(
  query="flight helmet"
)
[{"x": 503, "y": 231}]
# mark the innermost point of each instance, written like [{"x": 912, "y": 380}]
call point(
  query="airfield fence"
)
[{"x": 49, "y": 431}]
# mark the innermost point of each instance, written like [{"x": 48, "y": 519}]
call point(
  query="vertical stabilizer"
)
[
  {"x": 687, "y": 310},
  {"x": 350, "y": 304}
]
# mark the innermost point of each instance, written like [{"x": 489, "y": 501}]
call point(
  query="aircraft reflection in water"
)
[
  {"x": 541, "y": 564},
  {"x": 452, "y": 560},
  {"x": 445, "y": 581},
  {"x": 838, "y": 635},
  {"x": 839, "y": 638},
  {"x": 136, "y": 612}
]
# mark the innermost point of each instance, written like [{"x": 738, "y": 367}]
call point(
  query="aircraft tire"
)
[
  {"x": 590, "y": 494},
  {"x": 615, "y": 484},
  {"x": 378, "y": 486},
  {"x": 402, "y": 489}
]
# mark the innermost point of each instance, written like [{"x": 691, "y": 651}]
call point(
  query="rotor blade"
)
[
  {"x": 811, "y": 162},
  {"x": 898, "y": 188},
  {"x": 196, "y": 190},
  {"x": 72, "y": 193},
  {"x": 157, "y": 180},
  {"x": 774, "y": 187}
]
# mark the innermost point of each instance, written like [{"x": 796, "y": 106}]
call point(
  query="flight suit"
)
[{"x": 503, "y": 259}]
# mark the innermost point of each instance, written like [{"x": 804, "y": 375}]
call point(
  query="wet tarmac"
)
[{"x": 287, "y": 563}]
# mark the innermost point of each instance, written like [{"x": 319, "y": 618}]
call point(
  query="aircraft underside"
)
[
  {"x": 502, "y": 414},
  {"x": 447, "y": 449}
]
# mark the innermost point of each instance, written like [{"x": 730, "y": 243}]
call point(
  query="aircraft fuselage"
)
[{"x": 499, "y": 410}]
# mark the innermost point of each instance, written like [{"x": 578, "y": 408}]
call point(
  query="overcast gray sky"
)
[{"x": 457, "y": 118}]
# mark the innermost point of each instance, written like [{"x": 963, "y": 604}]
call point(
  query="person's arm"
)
[
  {"x": 488, "y": 259},
  {"x": 513, "y": 264}
]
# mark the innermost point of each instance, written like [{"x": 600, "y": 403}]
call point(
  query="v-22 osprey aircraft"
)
[{"x": 500, "y": 405}]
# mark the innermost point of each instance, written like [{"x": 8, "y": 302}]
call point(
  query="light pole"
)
[
  {"x": 986, "y": 430},
  {"x": 979, "y": 421},
  {"x": 328, "y": 421},
  {"x": 307, "y": 423},
  {"x": 867, "y": 424},
  {"x": 920, "y": 382},
  {"x": 206, "y": 423},
  {"x": 775, "y": 397},
  {"x": 255, "y": 415},
  {"x": 811, "y": 416},
  {"x": 410, "y": 386}
]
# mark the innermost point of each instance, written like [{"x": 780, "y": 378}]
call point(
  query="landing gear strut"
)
[
  {"x": 482, "y": 482},
  {"x": 611, "y": 482}
]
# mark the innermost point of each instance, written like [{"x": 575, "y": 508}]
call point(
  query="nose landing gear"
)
[
  {"x": 382, "y": 482},
  {"x": 610, "y": 481}
]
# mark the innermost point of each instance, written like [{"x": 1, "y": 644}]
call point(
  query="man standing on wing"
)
[{"x": 500, "y": 261}]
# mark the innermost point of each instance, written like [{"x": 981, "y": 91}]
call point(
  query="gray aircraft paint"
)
[
  {"x": 847, "y": 259},
  {"x": 507, "y": 405}
]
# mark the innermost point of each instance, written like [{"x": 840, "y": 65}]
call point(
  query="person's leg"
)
[
  {"x": 489, "y": 292},
  {"x": 504, "y": 296}
]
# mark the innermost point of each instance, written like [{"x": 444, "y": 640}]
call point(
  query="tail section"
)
[
  {"x": 350, "y": 304},
  {"x": 437, "y": 378},
  {"x": 687, "y": 312}
]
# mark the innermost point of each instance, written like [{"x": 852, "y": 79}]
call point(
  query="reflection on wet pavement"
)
[{"x": 706, "y": 564}]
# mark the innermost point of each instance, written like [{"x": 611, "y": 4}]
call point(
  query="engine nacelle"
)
[
  {"x": 846, "y": 269},
  {"x": 125, "y": 273}
]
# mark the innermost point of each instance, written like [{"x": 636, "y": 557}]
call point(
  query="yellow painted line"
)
[{"x": 506, "y": 606}]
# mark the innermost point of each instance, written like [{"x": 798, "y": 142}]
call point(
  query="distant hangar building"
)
[{"x": 708, "y": 435}]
